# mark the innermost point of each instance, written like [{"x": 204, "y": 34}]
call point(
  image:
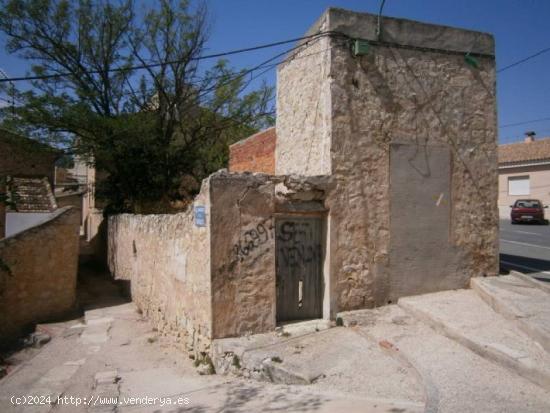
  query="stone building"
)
[
  {"x": 385, "y": 186},
  {"x": 27, "y": 176}
]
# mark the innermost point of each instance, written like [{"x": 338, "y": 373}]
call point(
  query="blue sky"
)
[{"x": 520, "y": 28}]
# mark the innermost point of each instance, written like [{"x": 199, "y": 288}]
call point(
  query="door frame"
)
[{"x": 323, "y": 217}]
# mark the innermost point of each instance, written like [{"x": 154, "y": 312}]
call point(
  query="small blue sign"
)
[{"x": 200, "y": 216}]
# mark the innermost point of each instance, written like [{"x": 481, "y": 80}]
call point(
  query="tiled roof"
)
[
  {"x": 524, "y": 151},
  {"x": 31, "y": 195}
]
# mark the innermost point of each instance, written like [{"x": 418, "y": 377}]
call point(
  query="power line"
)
[
  {"x": 525, "y": 59},
  {"x": 524, "y": 122},
  {"x": 152, "y": 65}
]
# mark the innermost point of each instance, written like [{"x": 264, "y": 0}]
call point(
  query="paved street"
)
[
  {"x": 411, "y": 357},
  {"x": 525, "y": 248}
]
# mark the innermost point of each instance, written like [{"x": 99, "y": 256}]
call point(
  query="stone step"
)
[
  {"x": 464, "y": 317},
  {"x": 519, "y": 301},
  {"x": 326, "y": 360},
  {"x": 455, "y": 379}
]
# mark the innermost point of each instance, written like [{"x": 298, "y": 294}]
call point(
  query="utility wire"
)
[
  {"x": 524, "y": 122},
  {"x": 525, "y": 59},
  {"x": 152, "y": 65}
]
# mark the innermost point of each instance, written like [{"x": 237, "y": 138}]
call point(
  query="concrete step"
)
[
  {"x": 455, "y": 379},
  {"x": 520, "y": 301},
  {"x": 329, "y": 360},
  {"x": 464, "y": 317}
]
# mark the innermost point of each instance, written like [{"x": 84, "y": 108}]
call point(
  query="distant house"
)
[
  {"x": 524, "y": 172},
  {"x": 27, "y": 176}
]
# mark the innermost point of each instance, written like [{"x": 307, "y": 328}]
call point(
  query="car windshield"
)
[{"x": 527, "y": 204}]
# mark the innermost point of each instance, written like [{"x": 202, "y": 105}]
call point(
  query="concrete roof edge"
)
[{"x": 407, "y": 32}]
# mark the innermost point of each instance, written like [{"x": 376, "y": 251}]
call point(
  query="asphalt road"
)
[{"x": 525, "y": 248}]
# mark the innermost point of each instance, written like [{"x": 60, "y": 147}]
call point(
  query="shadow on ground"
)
[
  {"x": 239, "y": 397},
  {"x": 97, "y": 289}
]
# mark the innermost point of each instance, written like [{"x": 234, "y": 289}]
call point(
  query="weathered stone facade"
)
[
  {"x": 218, "y": 280},
  {"x": 417, "y": 88},
  {"x": 167, "y": 260},
  {"x": 38, "y": 269},
  {"x": 244, "y": 210}
]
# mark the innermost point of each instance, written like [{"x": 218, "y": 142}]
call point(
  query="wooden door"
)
[{"x": 299, "y": 268}]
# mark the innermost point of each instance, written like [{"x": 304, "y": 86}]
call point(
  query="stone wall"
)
[
  {"x": 167, "y": 260},
  {"x": 38, "y": 269},
  {"x": 200, "y": 283},
  {"x": 244, "y": 208},
  {"x": 423, "y": 96},
  {"x": 304, "y": 109},
  {"x": 243, "y": 254},
  {"x": 254, "y": 154}
]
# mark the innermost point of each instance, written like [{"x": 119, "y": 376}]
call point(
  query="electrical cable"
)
[
  {"x": 152, "y": 65},
  {"x": 525, "y": 59}
]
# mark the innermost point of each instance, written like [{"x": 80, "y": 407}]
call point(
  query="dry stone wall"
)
[{"x": 38, "y": 269}]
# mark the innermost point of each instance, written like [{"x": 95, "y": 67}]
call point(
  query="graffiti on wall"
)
[
  {"x": 298, "y": 241},
  {"x": 252, "y": 239}
]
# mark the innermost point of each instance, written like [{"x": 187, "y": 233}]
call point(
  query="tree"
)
[{"x": 129, "y": 91}]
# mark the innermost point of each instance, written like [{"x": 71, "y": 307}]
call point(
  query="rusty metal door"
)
[{"x": 299, "y": 268}]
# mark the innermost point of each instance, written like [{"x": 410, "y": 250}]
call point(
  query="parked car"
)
[{"x": 527, "y": 210}]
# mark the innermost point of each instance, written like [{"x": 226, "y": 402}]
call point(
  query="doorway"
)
[{"x": 299, "y": 268}]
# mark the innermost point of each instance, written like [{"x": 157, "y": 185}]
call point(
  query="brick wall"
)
[
  {"x": 254, "y": 154},
  {"x": 38, "y": 269}
]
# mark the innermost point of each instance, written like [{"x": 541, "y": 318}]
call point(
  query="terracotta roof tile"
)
[
  {"x": 524, "y": 151},
  {"x": 31, "y": 195}
]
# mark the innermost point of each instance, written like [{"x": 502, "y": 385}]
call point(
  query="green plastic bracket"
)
[
  {"x": 472, "y": 61},
  {"x": 361, "y": 47}
]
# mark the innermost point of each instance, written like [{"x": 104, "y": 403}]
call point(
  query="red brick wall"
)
[{"x": 254, "y": 154}]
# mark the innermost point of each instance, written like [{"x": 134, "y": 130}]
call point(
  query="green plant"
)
[{"x": 236, "y": 362}]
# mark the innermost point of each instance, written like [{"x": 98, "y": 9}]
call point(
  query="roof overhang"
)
[{"x": 510, "y": 165}]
